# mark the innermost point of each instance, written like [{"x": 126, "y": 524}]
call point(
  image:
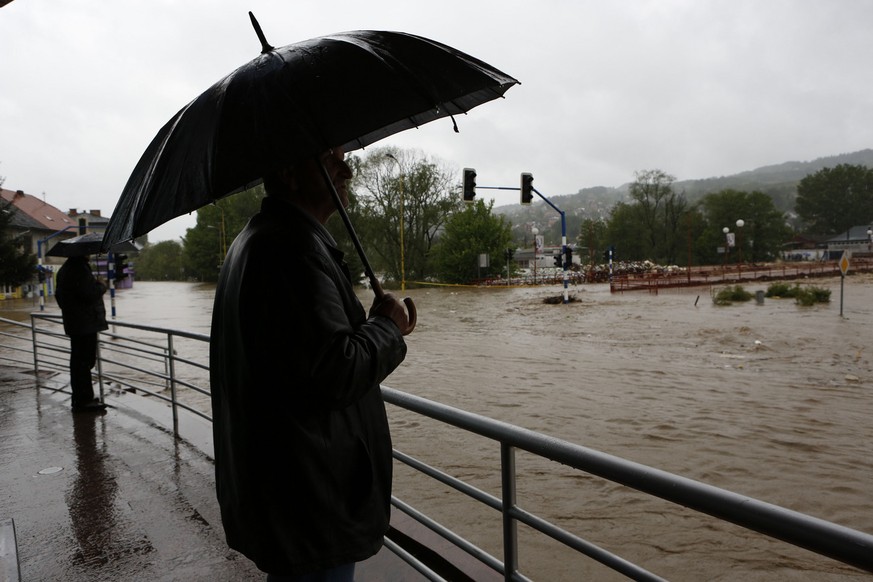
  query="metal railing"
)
[{"x": 152, "y": 367}]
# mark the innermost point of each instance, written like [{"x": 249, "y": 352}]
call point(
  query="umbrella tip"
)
[{"x": 265, "y": 46}]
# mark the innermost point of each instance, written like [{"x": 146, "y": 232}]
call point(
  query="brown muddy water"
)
[{"x": 773, "y": 401}]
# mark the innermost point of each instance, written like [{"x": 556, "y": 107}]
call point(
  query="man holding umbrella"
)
[
  {"x": 302, "y": 448},
  {"x": 302, "y": 451}
]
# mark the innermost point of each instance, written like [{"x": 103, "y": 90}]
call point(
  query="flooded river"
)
[{"x": 769, "y": 400}]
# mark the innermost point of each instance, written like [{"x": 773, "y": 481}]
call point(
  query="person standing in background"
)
[{"x": 80, "y": 296}]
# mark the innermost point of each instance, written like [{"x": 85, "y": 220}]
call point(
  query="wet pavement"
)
[{"x": 112, "y": 496}]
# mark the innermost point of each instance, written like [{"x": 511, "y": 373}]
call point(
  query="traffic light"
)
[
  {"x": 557, "y": 257},
  {"x": 120, "y": 267},
  {"x": 568, "y": 257},
  {"x": 509, "y": 253},
  {"x": 526, "y": 188},
  {"x": 469, "y": 184}
]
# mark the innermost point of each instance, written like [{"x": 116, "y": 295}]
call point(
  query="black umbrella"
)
[
  {"x": 348, "y": 89},
  {"x": 86, "y": 244}
]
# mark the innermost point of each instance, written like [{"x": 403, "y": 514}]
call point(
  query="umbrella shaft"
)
[{"x": 368, "y": 270}]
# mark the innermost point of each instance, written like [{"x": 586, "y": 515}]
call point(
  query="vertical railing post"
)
[
  {"x": 100, "y": 369},
  {"x": 171, "y": 355},
  {"x": 33, "y": 339},
  {"x": 510, "y": 527}
]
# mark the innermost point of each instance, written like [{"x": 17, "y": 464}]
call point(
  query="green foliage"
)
[
  {"x": 402, "y": 189},
  {"x": 655, "y": 220},
  {"x": 16, "y": 263},
  {"x": 625, "y": 231},
  {"x": 812, "y": 295},
  {"x": 217, "y": 225},
  {"x": 729, "y": 295},
  {"x": 592, "y": 240},
  {"x": 808, "y": 295},
  {"x": 469, "y": 233},
  {"x": 782, "y": 290},
  {"x": 759, "y": 239},
  {"x": 161, "y": 261},
  {"x": 833, "y": 200},
  {"x": 656, "y": 225}
]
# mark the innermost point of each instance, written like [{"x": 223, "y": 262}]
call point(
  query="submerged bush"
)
[
  {"x": 730, "y": 294},
  {"x": 782, "y": 290},
  {"x": 812, "y": 295},
  {"x": 808, "y": 295}
]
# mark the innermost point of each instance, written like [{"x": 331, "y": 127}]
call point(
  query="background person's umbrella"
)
[{"x": 90, "y": 243}]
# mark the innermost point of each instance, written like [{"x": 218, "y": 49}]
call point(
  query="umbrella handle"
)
[{"x": 412, "y": 313}]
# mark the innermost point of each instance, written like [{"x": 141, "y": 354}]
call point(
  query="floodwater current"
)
[{"x": 770, "y": 400}]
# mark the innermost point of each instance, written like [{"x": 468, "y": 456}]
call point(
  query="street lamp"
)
[
  {"x": 740, "y": 224},
  {"x": 870, "y": 238},
  {"x": 535, "y": 231},
  {"x": 727, "y": 250},
  {"x": 402, "y": 259}
]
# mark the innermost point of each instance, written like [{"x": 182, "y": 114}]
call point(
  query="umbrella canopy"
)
[
  {"x": 348, "y": 89},
  {"x": 86, "y": 244}
]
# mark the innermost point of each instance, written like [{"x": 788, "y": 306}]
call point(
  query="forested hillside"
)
[{"x": 779, "y": 181}]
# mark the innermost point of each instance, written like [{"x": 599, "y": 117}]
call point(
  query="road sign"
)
[
  {"x": 844, "y": 264},
  {"x": 844, "y": 268}
]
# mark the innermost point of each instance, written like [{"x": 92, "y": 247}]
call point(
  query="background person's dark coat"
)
[
  {"x": 80, "y": 297},
  {"x": 302, "y": 447}
]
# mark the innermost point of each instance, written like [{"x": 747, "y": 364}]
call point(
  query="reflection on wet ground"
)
[
  {"x": 112, "y": 496},
  {"x": 105, "y": 497}
]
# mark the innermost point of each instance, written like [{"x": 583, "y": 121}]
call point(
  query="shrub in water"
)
[
  {"x": 782, "y": 290},
  {"x": 812, "y": 295},
  {"x": 730, "y": 294}
]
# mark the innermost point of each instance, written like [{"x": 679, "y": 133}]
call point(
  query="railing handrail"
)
[
  {"x": 841, "y": 543},
  {"x": 820, "y": 536}
]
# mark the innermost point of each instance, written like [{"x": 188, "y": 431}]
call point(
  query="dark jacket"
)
[
  {"x": 302, "y": 448},
  {"x": 80, "y": 297}
]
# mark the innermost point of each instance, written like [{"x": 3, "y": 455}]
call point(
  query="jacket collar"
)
[{"x": 276, "y": 207}]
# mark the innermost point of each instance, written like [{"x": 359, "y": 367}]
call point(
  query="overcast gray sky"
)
[{"x": 696, "y": 88}]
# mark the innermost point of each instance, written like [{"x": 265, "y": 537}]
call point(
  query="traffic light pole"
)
[
  {"x": 110, "y": 275},
  {"x": 526, "y": 187},
  {"x": 563, "y": 244}
]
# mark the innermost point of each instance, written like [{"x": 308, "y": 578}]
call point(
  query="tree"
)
[
  {"x": 760, "y": 237},
  {"x": 389, "y": 179},
  {"x": 593, "y": 238},
  {"x": 469, "y": 233},
  {"x": 659, "y": 211},
  {"x": 217, "y": 225},
  {"x": 16, "y": 263},
  {"x": 160, "y": 262},
  {"x": 833, "y": 200},
  {"x": 654, "y": 226}
]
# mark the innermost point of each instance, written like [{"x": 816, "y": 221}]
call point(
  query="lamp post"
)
[
  {"x": 222, "y": 241},
  {"x": 740, "y": 224},
  {"x": 535, "y": 231},
  {"x": 727, "y": 250},
  {"x": 402, "y": 258},
  {"x": 870, "y": 238},
  {"x": 223, "y": 238}
]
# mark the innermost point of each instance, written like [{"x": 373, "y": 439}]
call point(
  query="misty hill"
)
[{"x": 779, "y": 181}]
